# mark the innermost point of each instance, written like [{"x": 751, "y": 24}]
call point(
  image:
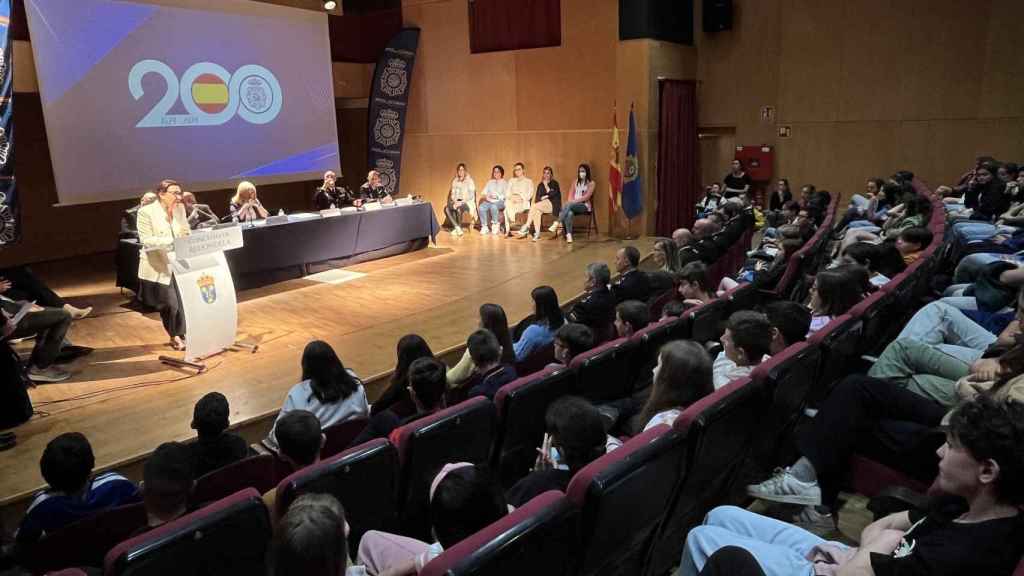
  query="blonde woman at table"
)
[
  {"x": 520, "y": 193},
  {"x": 245, "y": 205},
  {"x": 159, "y": 223}
]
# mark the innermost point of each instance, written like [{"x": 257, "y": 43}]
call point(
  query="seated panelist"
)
[
  {"x": 129, "y": 218},
  {"x": 372, "y": 190},
  {"x": 330, "y": 194},
  {"x": 245, "y": 205},
  {"x": 199, "y": 215}
]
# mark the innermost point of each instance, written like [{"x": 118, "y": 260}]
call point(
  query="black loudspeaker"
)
[
  {"x": 717, "y": 15},
  {"x": 668, "y": 20}
]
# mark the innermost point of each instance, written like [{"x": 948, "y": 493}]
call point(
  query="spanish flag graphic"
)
[{"x": 210, "y": 93}]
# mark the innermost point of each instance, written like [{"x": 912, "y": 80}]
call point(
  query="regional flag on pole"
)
[
  {"x": 632, "y": 199},
  {"x": 614, "y": 174}
]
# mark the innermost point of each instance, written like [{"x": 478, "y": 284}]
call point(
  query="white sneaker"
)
[
  {"x": 535, "y": 237},
  {"x": 78, "y": 313},
  {"x": 483, "y": 231},
  {"x": 784, "y": 487},
  {"x": 51, "y": 374},
  {"x": 554, "y": 227},
  {"x": 458, "y": 231},
  {"x": 568, "y": 238}
]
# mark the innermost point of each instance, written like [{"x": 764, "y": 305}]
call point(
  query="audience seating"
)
[
  {"x": 521, "y": 407},
  {"x": 68, "y": 572},
  {"x": 622, "y": 497},
  {"x": 85, "y": 542},
  {"x": 228, "y": 537},
  {"x": 602, "y": 373},
  {"x": 540, "y": 536},
  {"x": 718, "y": 436},
  {"x": 364, "y": 479},
  {"x": 462, "y": 433},
  {"x": 839, "y": 341},
  {"x": 339, "y": 436},
  {"x": 707, "y": 322},
  {"x": 650, "y": 340},
  {"x": 259, "y": 472},
  {"x": 536, "y": 360}
]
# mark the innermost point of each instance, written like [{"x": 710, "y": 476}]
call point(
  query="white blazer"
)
[{"x": 155, "y": 231}]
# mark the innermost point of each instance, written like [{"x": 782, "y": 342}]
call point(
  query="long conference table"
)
[{"x": 307, "y": 238}]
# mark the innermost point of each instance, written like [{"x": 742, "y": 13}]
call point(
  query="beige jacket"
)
[
  {"x": 966, "y": 389},
  {"x": 155, "y": 231}
]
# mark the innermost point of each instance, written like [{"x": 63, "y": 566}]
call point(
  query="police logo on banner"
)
[
  {"x": 387, "y": 130},
  {"x": 207, "y": 288},
  {"x": 8, "y": 223},
  {"x": 386, "y": 169},
  {"x": 395, "y": 79},
  {"x": 5, "y": 148}
]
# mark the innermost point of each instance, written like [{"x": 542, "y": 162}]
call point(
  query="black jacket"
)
[
  {"x": 632, "y": 285},
  {"x": 596, "y": 310},
  {"x": 323, "y": 198},
  {"x": 555, "y": 195},
  {"x": 988, "y": 201}
]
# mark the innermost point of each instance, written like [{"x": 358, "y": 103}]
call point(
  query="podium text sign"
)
[{"x": 207, "y": 290}]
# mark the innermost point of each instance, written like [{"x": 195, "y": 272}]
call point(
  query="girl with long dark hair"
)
[
  {"x": 396, "y": 397},
  {"x": 548, "y": 318}
]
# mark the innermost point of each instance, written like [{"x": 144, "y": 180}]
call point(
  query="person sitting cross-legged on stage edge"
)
[{"x": 583, "y": 192}]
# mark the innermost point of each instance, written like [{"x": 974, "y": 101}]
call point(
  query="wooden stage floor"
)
[{"x": 126, "y": 402}]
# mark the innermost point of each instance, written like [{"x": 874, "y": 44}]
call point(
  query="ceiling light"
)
[{"x": 330, "y": 4}]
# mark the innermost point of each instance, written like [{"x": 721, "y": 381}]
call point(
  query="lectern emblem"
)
[{"x": 207, "y": 288}]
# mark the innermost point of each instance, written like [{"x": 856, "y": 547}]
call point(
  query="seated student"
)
[
  {"x": 953, "y": 332},
  {"x": 874, "y": 258},
  {"x": 547, "y": 318},
  {"x": 911, "y": 243},
  {"x": 461, "y": 199},
  {"x": 745, "y": 344},
  {"x": 682, "y": 376},
  {"x": 492, "y": 318},
  {"x": 575, "y": 432},
  {"x": 300, "y": 440},
  {"x": 50, "y": 327},
  {"x": 833, "y": 294},
  {"x": 597, "y": 308},
  {"x": 410, "y": 348},
  {"x": 310, "y": 539},
  {"x": 426, "y": 388},
  {"x": 66, "y": 465},
  {"x": 632, "y": 283},
  {"x": 464, "y": 499},
  {"x": 631, "y": 316},
  {"x": 693, "y": 284},
  {"x": 571, "y": 340},
  {"x": 215, "y": 447},
  {"x": 491, "y": 372},
  {"x": 167, "y": 482},
  {"x": 20, "y": 283},
  {"x": 980, "y": 469},
  {"x": 789, "y": 322},
  {"x": 330, "y": 391},
  {"x": 672, "y": 309}
]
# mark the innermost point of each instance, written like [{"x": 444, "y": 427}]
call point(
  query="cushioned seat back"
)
[
  {"x": 787, "y": 379},
  {"x": 874, "y": 312},
  {"x": 742, "y": 297},
  {"x": 623, "y": 496},
  {"x": 657, "y": 302},
  {"x": 789, "y": 277},
  {"x": 462, "y": 433},
  {"x": 364, "y": 479},
  {"x": 257, "y": 472},
  {"x": 718, "y": 431},
  {"x": 603, "y": 373},
  {"x": 838, "y": 341},
  {"x": 339, "y": 436},
  {"x": 228, "y": 537},
  {"x": 539, "y": 537},
  {"x": 868, "y": 477},
  {"x": 85, "y": 542},
  {"x": 521, "y": 406},
  {"x": 536, "y": 360},
  {"x": 707, "y": 321},
  {"x": 650, "y": 340}
]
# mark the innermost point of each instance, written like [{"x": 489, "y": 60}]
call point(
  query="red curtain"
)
[
  {"x": 514, "y": 24},
  {"x": 678, "y": 161}
]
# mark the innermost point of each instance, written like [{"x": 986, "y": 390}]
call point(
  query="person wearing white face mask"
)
[{"x": 583, "y": 191}]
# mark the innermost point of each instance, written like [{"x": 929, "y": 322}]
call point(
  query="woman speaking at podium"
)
[{"x": 159, "y": 223}]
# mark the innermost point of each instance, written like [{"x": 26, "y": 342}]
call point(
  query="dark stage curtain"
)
[
  {"x": 362, "y": 37},
  {"x": 514, "y": 24},
  {"x": 678, "y": 178}
]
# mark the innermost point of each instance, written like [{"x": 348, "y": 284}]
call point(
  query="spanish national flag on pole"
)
[
  {"x": 632, "y": 198},
  {"x": 614, "y": 175}
]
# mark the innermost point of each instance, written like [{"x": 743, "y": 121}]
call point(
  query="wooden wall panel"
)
[
  {"x": 870, "y": 75},
  {"x": 810, "y": 61},
  {"x": 1002, "y": 89}
]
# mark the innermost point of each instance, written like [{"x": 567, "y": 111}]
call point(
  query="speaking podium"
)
[{"x": 207, "y": 292}]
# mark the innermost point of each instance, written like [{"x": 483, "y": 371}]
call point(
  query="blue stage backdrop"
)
[
  {"x": 389, "y": 104},
  {"x": 10, "y": 231}
]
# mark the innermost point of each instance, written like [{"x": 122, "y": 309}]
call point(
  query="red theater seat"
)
[{"x": 259, "y": 472}]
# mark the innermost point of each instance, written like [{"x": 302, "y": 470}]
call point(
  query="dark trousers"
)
[
  {"x": 875, "y": 418},
  {"x": 49, "y": 326},
  {"x": 167, "y": 301},
  {"x": 455, "y": 214},
  {"x": 27, "y": 286}
]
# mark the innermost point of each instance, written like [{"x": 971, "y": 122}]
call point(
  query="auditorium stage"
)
[{"x": 126, "y": 402}]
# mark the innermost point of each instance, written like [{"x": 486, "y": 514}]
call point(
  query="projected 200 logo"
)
[{"x": 211, "y": 95}]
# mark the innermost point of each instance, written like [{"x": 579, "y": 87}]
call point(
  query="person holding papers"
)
[
  {"x": 159, "y": 224},
  {"x": 49, "y": 325}
]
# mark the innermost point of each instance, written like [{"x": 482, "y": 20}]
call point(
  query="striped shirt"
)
[{"x": 51, "y": 510}]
